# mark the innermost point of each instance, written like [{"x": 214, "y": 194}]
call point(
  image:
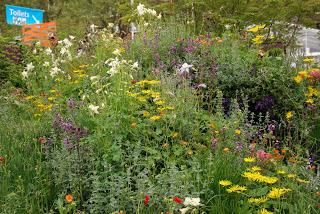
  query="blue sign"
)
[{"x": 21, "y": 15}]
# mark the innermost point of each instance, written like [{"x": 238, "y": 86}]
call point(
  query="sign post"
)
[{"x": 16, "y": 15}]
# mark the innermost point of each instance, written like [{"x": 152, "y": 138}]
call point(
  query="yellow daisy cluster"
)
[
  {"x": 277, "y": 192},
  {"x": 256, "y": 176},
  {"x": 249, "y": 160},
  {"x": 258, "y": 39}
]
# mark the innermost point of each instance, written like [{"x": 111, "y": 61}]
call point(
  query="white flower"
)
[
  {"x": 135, "y": 65},
  {"x": 63, "y": 50},
  {"x": 110, "y": 25},
  {"x": 227, "y": 26},
  {"x": 46, "y": 64},
  {"x": 94, "y": 78},
  {"x": 202, "y": 85},
  {"x": 94, "y": 109},
  {"x": 141, "y": 9},
  {"x": 185, "y": 68},
  {"x": 25, "y": 74},
  {"x": 34, "y": 51},
  {"x": 146, "y": 24},
  {"x": 48, "y": 51},
  {"x": 72, "y": 37},
  {"x": 184, "y": 210},
  {"x": 93, "y": 28},
  {"x": 152, "y": 12},
  {"x": 67, "y": 43},
  {"x": 117, "y": 52},
  {"x": 29, "y": 67},
  {"x": 54, "y": 71},
  {"x": 293, "y": 65},
  {"x": 159, "y": 16},
  {"x": 192, "y": 201}
]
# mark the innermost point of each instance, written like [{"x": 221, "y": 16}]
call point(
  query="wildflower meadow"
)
[{"x": 161, "y": 108}]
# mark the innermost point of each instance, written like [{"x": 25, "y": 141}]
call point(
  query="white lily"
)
[
  {"x": 185, "y": 68},
  {"x": 184, "y": 210},
  {"x": 29, "y": 67},
  {"x": 94, "y": 109},
  {"x": 25, "y": 74}
]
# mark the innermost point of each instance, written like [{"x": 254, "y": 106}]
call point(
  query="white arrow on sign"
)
[{"x": 36, "y": 20}]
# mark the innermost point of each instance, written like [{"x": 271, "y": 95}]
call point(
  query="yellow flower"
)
[
  {"x": 51, "y": 98},
  {"x": 255, "y": 168},
  {"x": 281, "y": 172},
  {"x": 53, "y": 91},
  {"x": 78, "y": 71},
  {"x": 146, "y": 114},
  {"x": 175, "y": 135},
  {"x": 81, "y": 75},
  {"x": 291, "y": 175},
  {"x": 289, "y": 115},
  {"x": 165, "y": 145},
  {"x": 264, "y": 211},
  {"x": 312, "y": 91},
  {"x": 147, "y": 91},
  {"x": 310, "y": 101},
  {"x": 249, "y": 160},
  {"x": 226, "y": 149},
  {"x": 307, "y": 60},
  {"x": 236, "y": 188},
  {"x": 303, "y": 74},
  {"x": 260, "y": 200},
  {"x": 190, "y": 152},
  {"x": 225, "y": 183},
  {"x": 142, "y": 99},
  {"x": 237, "y": 131},
  {"x": 256, "y": 176},
  {"x": 154, "y": 118},
  {"x": 298, "y": 79},
  {"x": 132, "y": 94},
  {"x": 148, "y": 82},
  {"x": 37, "y": 115},
  {"x": 29, "y": 97},
  {"x": 302, "y": 181},
  {"x": 277, "y": 192},
  {"x": 258, "y": 39},
  {"x": 256, "y": 28},
  {"x": 160, "y": 102}
]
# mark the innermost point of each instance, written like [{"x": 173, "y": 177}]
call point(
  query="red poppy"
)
[
  {"x": 146, "y": 200},
  {"x": 178, "y": 200}
]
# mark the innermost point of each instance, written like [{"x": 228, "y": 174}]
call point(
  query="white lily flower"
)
[
  {"x": 141, "y": 9},
  {"x": 29, "y": 67},
  {"x": 63, "y": 50},
  {"x": 135, "y": 65},
  {"x": 192, "y": 201},
  {"x": 159, "y": 16},
  {"x": 54, "y": 71},
  {"x": 25, "y": 74},
  {"x": 94, "y": 109},
  {"x": 117, "y": 52},
  {"x": 72, "y": 37},
  {"x": 110, "y": 25}
]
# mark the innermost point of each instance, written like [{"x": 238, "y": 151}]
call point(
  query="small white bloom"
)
[
  {"x": 110, "y": 25},
  {"x": 34, "y": 51},
  {"x": 192, "y": 201},
  {"x": 46, "y": 64},
  {"x": 67, "y": 43},
  {"x": 63, "y": 50},
  {"x": 117, "y": 52},
  {"x": 141, "y": 9},
  {"x": 293, "y": 65},
  {"x": 159, "y": 16},
  {"x": 94, "y": 78},
  {"x": 135, "y": 65},
  {"x": 72, "y": 37},
  {"x": 54, "y": 71},
  {"x": 25, "y": 74},
  {"x": 184, "y": 210},
  {"x": 202, "y": 85},
  {"x": 185, "y": 68},
  {"x": 94, "y": 109},
  {"x": 146, "y": 24},
  {"x": 152, "y": 12},
  {"x": 30, "y": 67},
  {"x": 227, "y": 26},
  {"x": 48, "y": 51}
]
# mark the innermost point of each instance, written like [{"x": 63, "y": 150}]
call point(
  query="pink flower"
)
[
  {"x": 315, "y": 74},
  {"x": 263, "y": 155}
]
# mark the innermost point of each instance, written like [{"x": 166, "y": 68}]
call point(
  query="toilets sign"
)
[{"x": 21, "y": 15}]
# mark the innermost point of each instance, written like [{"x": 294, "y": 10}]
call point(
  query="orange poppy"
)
[{"x": 69, "y": 198}]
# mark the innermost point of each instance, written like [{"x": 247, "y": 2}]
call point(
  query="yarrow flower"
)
[
  {"x": 225, "y": 183},
  {"x": 236, "y": 188}
]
